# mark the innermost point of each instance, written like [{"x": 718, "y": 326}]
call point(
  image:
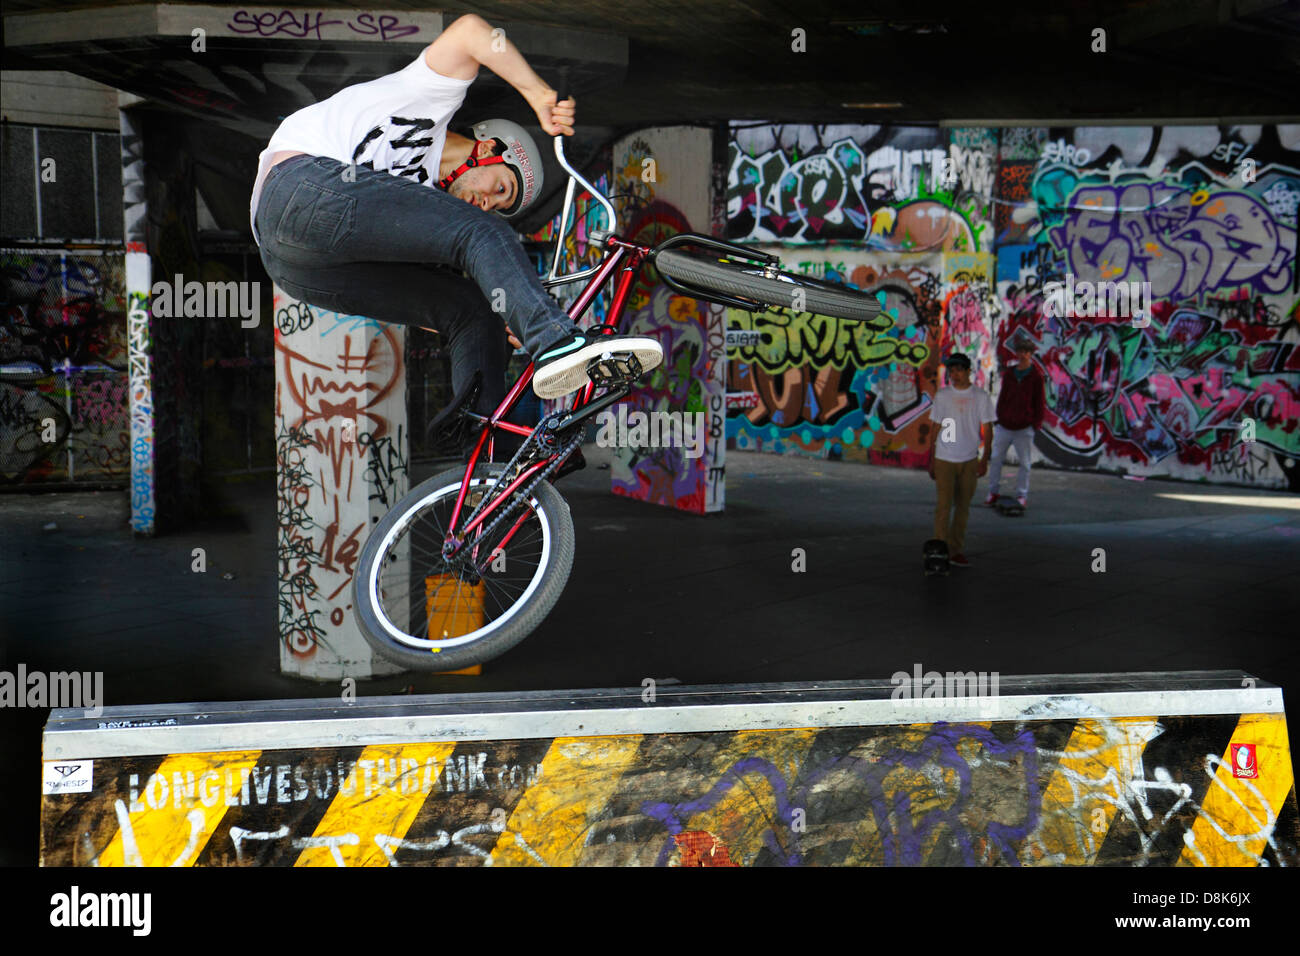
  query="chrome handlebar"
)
[{"x": 552, "y": 278}]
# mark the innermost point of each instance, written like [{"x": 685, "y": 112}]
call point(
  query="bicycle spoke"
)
[{"x": 415, "y": 557}]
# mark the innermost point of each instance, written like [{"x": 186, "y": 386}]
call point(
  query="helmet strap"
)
[{"x": 466, "y": 166}]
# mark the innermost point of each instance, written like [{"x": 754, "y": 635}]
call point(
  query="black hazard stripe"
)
[
  {"x": 76, "y": 827},
  {"x": 1286, "y": 834},
  {"x": 277, "y": 808},
  {"x": 1180, "y": 752},
  {"x": 470, "y": 806}
]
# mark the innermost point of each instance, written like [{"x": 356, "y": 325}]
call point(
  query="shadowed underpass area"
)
[
  {"x": 839, "y": 239},
  {"x": 1188, "y": 585}
]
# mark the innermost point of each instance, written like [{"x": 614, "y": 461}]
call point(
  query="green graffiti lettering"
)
[{"x": 787, "y": 341}]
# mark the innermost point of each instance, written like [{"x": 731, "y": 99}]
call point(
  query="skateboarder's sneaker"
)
[
  {"x": 1023, "y": 500},
  {"x": 935, "y": 552},
  {"x": 991, "y": 500},
  {"x": 605, "y": 359},
  {"x": 960, "y": 560}
]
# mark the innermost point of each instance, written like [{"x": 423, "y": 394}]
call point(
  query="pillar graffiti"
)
[
  {"x": 667, "y": 174},
  {"x": 341, "y": 463},
  {"x": 139, "y": 281}
]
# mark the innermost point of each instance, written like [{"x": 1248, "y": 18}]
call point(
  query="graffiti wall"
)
[
  {"x": 63, "y": 367},
  {"x": 1203, "y": 221},
  {"x": 968, "y": 231},
  {"x": 341, "y": 463},
  {"x": 903, "y": 214},
  {"x": 1100, "y": 791}
]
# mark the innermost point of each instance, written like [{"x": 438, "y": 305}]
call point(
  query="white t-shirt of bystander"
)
[
  {"x": 396, "y": 123},
  {"x": 967, "y": 409}
]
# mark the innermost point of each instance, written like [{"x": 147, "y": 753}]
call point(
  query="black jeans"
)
[{"x": 380, "y": 246}]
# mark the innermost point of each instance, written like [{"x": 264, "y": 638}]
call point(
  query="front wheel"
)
[
  {"x": 421, "y": 611},
  {"x": 767, "y": 287}
]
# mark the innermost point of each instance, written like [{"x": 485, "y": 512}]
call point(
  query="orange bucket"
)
[{"x": 453, "y": 608}]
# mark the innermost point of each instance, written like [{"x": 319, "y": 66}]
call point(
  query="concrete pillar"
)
[
  {"x": 341, "y": 463},
  {"x": 668, "y": 174},
  {"x": 139, "y": 341}
]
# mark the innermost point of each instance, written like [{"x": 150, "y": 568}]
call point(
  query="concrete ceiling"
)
[
  {"x": 695, "y": 60},
  {"x": 636, "y": 63}
]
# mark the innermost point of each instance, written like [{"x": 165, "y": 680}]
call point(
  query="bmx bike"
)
[{"x": 469, "y": 562}]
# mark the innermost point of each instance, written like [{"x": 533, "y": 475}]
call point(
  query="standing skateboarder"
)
[
  {"x": 1020, "y": 414},
  {"x": 359, "y": 198},
  {"x": 961, "y": 413}
]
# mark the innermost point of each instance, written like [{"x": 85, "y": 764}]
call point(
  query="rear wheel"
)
[
  {"x": 767, "y": 287},
  {"x": 426, "y": 613}
]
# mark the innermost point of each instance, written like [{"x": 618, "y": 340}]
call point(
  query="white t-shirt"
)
[
  {"x": 396, "y": 123},
  {"x": 968, "y": 408}
]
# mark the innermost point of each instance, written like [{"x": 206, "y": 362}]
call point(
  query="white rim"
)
[{"x": 407, "y": 640}]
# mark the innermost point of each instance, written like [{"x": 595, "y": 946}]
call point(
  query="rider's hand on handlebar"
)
[{"x": 555, "y": 118}]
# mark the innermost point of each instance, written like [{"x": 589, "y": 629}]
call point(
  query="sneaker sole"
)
[{"x": 568, "y": 373}]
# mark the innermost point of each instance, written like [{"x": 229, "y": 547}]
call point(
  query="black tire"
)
[
  {"x": 747, "y": 281},
  {"x": 518, "y": 617}
]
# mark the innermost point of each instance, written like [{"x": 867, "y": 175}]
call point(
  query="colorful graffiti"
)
[
  {"x": 63, "y": 375},
  {"x": 691, "y": 379},
  {"x": 859, "y": 390},
  {"x": 905, "y": 191},
  {"x": 1209, "y": 388},
  {"x": 1202, "y": 219}
]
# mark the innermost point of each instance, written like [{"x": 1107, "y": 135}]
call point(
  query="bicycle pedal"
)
[{"x": 614, "y": 368}]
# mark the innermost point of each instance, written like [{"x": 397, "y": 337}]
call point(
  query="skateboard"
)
[
  {"x": 1009, "y": 506},
  {"x": 935, "y": 553}
]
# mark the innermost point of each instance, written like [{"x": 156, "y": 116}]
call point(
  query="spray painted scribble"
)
[{"x": 341, "y": 462}]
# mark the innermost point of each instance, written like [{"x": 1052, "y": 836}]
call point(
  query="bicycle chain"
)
[{"x": 520, "y": 496}]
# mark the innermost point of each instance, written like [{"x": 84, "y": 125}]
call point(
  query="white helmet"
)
[{"x": 520, "y": 154}]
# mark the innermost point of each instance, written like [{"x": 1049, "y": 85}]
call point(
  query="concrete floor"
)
[{"x": 654, "y": 593}]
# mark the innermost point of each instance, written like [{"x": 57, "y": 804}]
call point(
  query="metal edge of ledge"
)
[{"x": 300, "y": 724}]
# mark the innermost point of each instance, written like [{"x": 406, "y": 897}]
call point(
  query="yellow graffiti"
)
[{"x": 788, "y": 340}]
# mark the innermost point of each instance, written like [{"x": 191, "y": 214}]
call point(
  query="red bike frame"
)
[{"x": 617, "y": 250}]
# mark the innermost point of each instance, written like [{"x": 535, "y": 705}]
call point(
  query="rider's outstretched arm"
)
[{"x": 471, "y": 42}]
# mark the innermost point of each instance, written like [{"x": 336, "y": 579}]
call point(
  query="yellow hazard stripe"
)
[
  {"x": 367, "y": 820},
  {"x": 177, "y": 810},
  {"x": 551, "y": 821},
  {"x": 1238, "y": 814},
  {"x": 1087, "y": 789}
]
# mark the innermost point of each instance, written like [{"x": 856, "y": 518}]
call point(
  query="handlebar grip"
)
[{"x": 563, "y": 88}]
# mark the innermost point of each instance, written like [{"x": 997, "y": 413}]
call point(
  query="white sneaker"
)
[{"x": 562, "y": 369}]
